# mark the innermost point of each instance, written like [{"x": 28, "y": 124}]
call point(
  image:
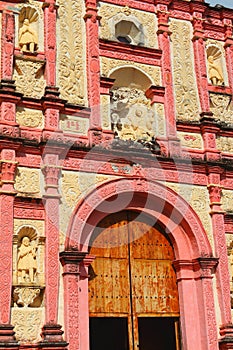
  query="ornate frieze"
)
[
  {"x": 71, "y": 51},
  {"x": 225, "y": 144},
  {"x": 185, "y": 86}
]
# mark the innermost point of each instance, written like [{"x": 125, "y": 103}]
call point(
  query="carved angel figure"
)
[
  {"x": 215, "y": 71},
  {"x": 27, "y": 263},
  {"x": 27, "y": 37}
]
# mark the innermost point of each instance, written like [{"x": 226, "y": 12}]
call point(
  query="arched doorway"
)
[{"x": 133, "y": 296}]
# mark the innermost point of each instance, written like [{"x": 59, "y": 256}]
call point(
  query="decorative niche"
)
[
  {"x": 28, "y": 38},
  {"x": 216, "y": 65},
  {"x": 28, "y": 284}
]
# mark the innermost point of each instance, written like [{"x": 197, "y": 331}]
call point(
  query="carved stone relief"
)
[
  {"x": 108, "y": 65},
  {"x": 29, "y": 118},
  {"x": 132, "y": 117},
  {"x": 111, "y": 14},
  {"x": 27, "y": 323},
  {"x": 222, "y": 108},
  {"x": 29, "y": 77},
  {"x": 74, "y": 124},
  {"x": 27, "y": 182},
  {"x": 185, "y": 86},
  {"x": 190, "y": 140},
  {"x": 225, "y": 144},
  {"x": 71, "y": 51},
  {"x": 105, "y": 111},
  {"x": 198, "y": 198},
  {"x": 227, "y": 200},
  {"x": 160, "y": 119}
]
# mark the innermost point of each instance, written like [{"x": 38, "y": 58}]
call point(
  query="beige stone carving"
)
[
  {"x": 29, "y": 77},
  {"x": 227, "y": 200},
  {"x": 190, "y": 140},
  {"x": 74, "y": 124},
  {"x": 105, "y": 111},
  {"x": 215, "y": 71},
  {"x": 25, "y": 296},
  {"x": 185, "y": 86},
  {"x": 28, "y": 40},
  {"x": 27, "y": 323},
  {"x": 160, "y": 119},
  {"x": 71, "y": 51},
  {"x": 222, "y": 108},
  {"x": 30, "y": 118},
  {"x": 131, "y": 115},
  {"x": 27, "y": 182},
  {"x": 110, "y": 14},
  {"x": 108, "y": 65},
  {"x": 27, "y": 261},
  {"x": 36, "y": 225},
  {"x": 225, "y": 144}
]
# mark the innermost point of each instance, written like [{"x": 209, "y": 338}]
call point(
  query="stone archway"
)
[{"x": 194, "y": 260}]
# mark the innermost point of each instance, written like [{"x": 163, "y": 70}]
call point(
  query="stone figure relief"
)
[
  {"x": 131, "y": 115},
  {"x": 27, "y": 37},
  {"x": 27, "y": 260},
  {"x": 28, "y": 23},
  {"x": 214, "y": 65},
  {"x": 215, "y": 71}
]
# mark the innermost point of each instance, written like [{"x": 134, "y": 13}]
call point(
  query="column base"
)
[
  {"x": 52, "y": 338},
  {"x": 7, "y": 337},
  {"x": 226, "y": 342}
]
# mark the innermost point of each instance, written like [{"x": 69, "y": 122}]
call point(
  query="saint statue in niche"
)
[
  {"x": 27, "y": 37},
  {"x": 215, "y": 71},
  {"x": 27, "y": 264}
]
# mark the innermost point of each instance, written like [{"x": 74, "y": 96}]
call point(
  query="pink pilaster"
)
[
  {"x": 71, "y": 270},
  {"x": 7, "y": 194},
  {"x": 50, "y": 12},
  {"x": 167, "y": 79},
  {"x": 52, "y": 331},
  {"x": 93, "y": 64},
  {"x": 204, "y": 334},
  {"x": 7, "y": 45},
  {"x": 200, "y": 61},
  {"x": 84, "y": 305},
  {"x": 229, "y": 49},
  {"x": 222, "y": 272}
]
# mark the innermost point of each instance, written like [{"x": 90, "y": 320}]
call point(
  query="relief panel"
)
[
  {"x": 225, "y": 144},
  {"x": 185, "y": 86},
  {"x": 29, "y": 118},
  {"x": 71, "y": 51},
  {"x": 74, "y": 125},
  {"x": 190, "y": 140},
  {"x": 222, "y": 108},
  {"x": 27, "y": 182}
]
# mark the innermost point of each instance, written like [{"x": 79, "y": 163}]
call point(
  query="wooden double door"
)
[{"x": 133, "y": 298}]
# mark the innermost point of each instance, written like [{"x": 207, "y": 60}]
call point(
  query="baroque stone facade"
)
[{"x": 116, "y": 181}]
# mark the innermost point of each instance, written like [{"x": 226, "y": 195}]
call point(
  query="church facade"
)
[{"x": 116, "y": 191}]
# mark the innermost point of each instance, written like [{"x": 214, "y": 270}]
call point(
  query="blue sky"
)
[{"x": 226, "y": 3}]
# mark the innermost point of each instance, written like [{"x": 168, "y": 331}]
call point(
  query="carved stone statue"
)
[
  {"x": 27, "y": 264},
  {"x": 27, "y": 37},
  {"x": 215, "y": 71}
]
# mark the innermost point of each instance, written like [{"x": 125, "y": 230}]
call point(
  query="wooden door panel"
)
[
  {"x": 154, "y": 287},
  {"x": 109, "y": 291}
]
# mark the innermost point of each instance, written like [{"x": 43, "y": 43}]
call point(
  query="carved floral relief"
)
[
  {"x": 185, "y": 86},
  {"x": 29, "y": 118},
  {"x": 27, "y": 182},
  {"x": 222, "y": 108},
  {"x": 225, "y": 144},
  {"x": 71, "y": 51},
  {"x": 29, "y": 77},
  {"x": 227, "y": 200}
]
